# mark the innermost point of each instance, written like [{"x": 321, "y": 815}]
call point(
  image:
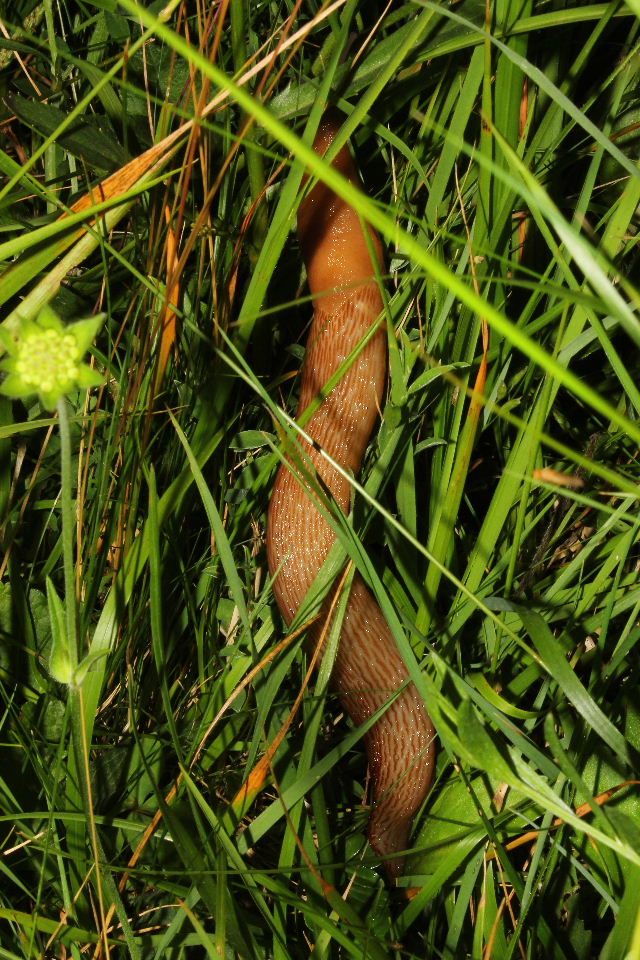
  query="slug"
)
[{"x": 368, "y": 669}]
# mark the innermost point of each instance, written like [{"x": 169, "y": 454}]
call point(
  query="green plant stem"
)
[
  {"x": 77, "y": 782},
  {"x": 68, "y": 521},
  {"x": 80, "y": 753}
]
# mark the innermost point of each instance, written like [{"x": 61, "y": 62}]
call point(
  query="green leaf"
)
[
  {"x": 59, "y": 661},
  {"x": 86, "y": 664},
  {"x": 479, "y": 747},
  {"x": 91, "y": 139},
  {"x": 250, "y": 440}
]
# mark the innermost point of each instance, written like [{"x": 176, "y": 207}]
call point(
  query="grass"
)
[{"x": 196, "y": 793}]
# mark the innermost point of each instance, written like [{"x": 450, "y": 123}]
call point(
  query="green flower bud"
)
[{"x": 45, "y": 357}]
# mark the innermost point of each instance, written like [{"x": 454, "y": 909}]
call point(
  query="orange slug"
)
[{"x": 368, "y": 669}]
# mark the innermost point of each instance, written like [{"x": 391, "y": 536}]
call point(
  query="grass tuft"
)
[{"x": 196, "y": 791}]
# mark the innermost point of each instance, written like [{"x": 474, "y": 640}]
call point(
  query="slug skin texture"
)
[{"x": 368, "y": 669}]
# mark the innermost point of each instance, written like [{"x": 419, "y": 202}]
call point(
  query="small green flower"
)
[{"x": 45, "y": 357}]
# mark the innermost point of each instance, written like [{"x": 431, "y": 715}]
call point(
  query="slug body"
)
[{"x": 368, "y": 669}]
